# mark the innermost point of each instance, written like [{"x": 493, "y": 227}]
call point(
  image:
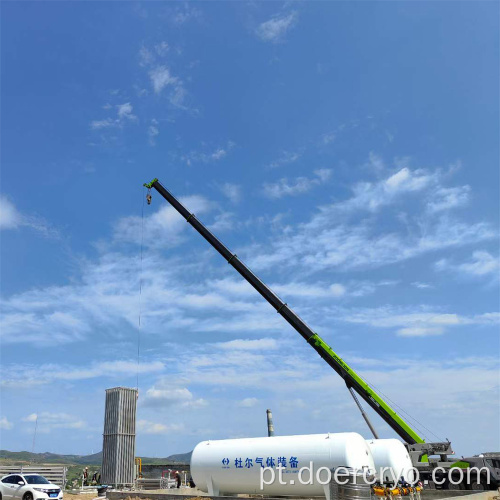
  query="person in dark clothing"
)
[{"x": 177, "y": 479}]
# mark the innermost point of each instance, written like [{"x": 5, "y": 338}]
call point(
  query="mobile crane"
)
[{"x": 421, "y": 453}]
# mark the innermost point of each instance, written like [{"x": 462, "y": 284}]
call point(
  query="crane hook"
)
[{"x": 148, "y": 197}]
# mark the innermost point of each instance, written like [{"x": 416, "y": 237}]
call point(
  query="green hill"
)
[{"x": 95, "y": 459}]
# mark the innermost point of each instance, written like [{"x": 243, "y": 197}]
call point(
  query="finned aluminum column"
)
[
  {"x": 118, "y": 449},
  {"x": 270, "y": 426}
]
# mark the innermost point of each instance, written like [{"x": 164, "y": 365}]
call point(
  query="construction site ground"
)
[{"x": 192, "y": 494}]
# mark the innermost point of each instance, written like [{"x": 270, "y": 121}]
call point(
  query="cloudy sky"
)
[{"x": 346, "y": 151}]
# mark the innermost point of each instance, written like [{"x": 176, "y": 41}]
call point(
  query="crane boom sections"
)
[{"x": 351, "y": 378}]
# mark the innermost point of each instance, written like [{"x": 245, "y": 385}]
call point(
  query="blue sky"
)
[{"x": 348, "y": 152}]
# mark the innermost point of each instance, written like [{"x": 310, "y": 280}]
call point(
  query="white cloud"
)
[
  {"x": 105, "y": 123},
  {"x": 153, "y": 132},
  {"x": 105, "y": 299},
  {"x": 218, "y": 154},
  {"x": 11, "y": 218},
  {"x": 123, "y": 115},
  {"x": 146, "y": 57},
  {"x": 448, "y": 198},
  {"x": 276, "y": 28},
  {"x": 375, "y": 162},
  {"x": 166, "y": 396},
  {"x": 64, "y": 327},
  {"x": 147, "y": 427},
  {"x": 311, "y": 290},
  {"x": 161, "y": 78},
  {"x": 286, "y": 187},
  {"x": 420, "y": 284},
  {"x": 164, "y": 228},
  {"x": 32, "y": 375},
  {"x": 5, "y": 424},
  {"x": 222, "y": 222},
  {"x": 231, "y": 191},
  {"x": 418, "y": 323},
  {"x": 433, "y": 386},
  {"x": 162, "y": 48},
  {"x": 248, "y": 402},
  {"x": 177, "y": 96},
  {"x": 265, "y": 344},
  {"x": 420, "y": 331},
  {"x": 186, "y": 13},
  {"x": 48, "y": 421},
  {"x": 208, "y": 157},
  {"x": 285, "y": 158},
  {"x": 325, "y": 242},
  {"x": 482, "y": 263},
  {"x": 328, "y": 138},
  {"x": 232, "y": 286},
  {"x": 125, "y": 111},
  {"x": 372, "y": 196},
  {"x": 323, "y": 174}
]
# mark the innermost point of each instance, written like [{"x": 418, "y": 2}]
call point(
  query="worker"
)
[
  {"x": 86, "y": 476},
  {"x": 177, "y": 479}
]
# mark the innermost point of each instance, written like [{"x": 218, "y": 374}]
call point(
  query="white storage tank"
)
[
  {"x": 233, "y": 466},
  {"x": 391, "y": 453}
]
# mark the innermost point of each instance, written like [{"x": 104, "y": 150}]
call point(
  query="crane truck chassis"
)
[{"x": 431, "y": 460}]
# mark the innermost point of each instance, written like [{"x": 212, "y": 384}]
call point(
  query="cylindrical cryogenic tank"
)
[
  {"x": 392, "y": 455},
  {"x": 233, "y": 466}
]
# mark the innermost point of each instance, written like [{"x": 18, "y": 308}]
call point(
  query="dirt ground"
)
[{"x": 81, "y": 496}]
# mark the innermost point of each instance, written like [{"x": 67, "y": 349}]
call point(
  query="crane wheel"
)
[{"x": 477, "y": 486}]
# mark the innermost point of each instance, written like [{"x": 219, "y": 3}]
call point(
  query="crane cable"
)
[
  {"x": 140, "y": 295},
  {"x": 416, "y": 423}
]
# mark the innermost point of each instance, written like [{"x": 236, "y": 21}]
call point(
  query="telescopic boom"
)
[{"x": 351, "y": 378}]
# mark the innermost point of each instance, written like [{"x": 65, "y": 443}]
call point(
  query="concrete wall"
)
[{"x": 154, "y": 471}]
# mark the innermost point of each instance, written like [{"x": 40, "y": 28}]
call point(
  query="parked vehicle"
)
[{"x": 28, "y": 487}]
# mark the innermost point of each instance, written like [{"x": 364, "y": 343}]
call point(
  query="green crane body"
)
[
  {"x": 351, "y": 378},
  {"x": 421, "y": 453}
]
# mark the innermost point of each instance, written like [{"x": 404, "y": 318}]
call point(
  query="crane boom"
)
[{"x": 351, "y": 378}]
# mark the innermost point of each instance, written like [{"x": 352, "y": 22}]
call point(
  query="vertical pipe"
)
[{"x": 270, "y": 426}]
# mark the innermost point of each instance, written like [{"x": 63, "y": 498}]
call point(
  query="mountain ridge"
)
[{"x": 93, "y": 459}]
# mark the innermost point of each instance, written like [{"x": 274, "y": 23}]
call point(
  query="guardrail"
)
[{"x": 54, "y": 473}]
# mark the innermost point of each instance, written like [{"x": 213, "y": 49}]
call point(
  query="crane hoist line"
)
[{"x": 350, "y": 377}]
